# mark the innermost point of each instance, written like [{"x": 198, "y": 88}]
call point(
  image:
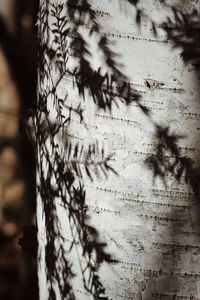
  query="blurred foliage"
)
[{"x": 19, "y": 47}]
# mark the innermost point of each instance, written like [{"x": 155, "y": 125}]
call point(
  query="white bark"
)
[{"x": 151, "y": 229}]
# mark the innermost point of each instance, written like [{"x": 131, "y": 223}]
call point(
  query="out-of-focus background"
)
[{"x": 18, "y": 79}]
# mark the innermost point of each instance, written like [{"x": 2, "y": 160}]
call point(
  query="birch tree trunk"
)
[{"x": 114, "y": 226}]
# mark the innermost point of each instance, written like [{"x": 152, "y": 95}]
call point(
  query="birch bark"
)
[{"x": 150, "y": 226}]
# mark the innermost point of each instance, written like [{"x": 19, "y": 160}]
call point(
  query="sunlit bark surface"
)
[{"x": 151, "y": 226}]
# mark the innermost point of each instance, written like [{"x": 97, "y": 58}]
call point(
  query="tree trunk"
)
[{"x": 136, "y": 201}]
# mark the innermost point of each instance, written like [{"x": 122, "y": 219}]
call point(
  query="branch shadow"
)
[
  {"x": 60, "y": 41},
  {"x": 169, "y": 161}
]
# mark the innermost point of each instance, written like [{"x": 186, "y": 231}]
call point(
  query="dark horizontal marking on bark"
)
[
  {"x": 151, "y": 272},
  {"x": 100, "y": 209},
  {"x": 173, "y": 192},
  {"x": 187, "y": 149},
  {"x": 167, "y": 219},
  {"x": 100, "y": 13},
  {"x": 122, "y": 36},
  {"x": 146, "y": 153},
  {"x": 89, "y": 161},
  {"x": 154, "y": 104},
  {"x": 125, "y": 263},
  {"x": 176, "y": 246},
  {"x": 180, "y": 148},
  {"x": 157, "y": 273},
  {"x": 157, "y": 109},
  {"x": 157, "y": 87},
  {"x": 175, "y": 90},
  {"x": 189, "y": 114},
  {"x": 104, "y": 86},
  {"x": 74, "y": 136},
  {"x": 146, "y": 272},
  {"x": 152, "y": 101},
  {"x": 189, "y": 233},
  {"x": 171, "y": 196},
  {"x": 172, "y": 296},
  {"x": 149, "y": 107},
  {"x": 70, "y": 78},
  {"x": 114, "y": 118},
  {"x": 114, "y": 191},
  {"x": 157, "y": 245},
  {"x": 164, "y": 109},
  {"x": 156, "y": 203}
]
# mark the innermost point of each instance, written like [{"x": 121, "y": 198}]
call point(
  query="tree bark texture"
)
[{"x": 107, "y": 218}]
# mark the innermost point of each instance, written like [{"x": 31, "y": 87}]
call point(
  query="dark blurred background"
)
[{"x": 18, "y": 80}]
